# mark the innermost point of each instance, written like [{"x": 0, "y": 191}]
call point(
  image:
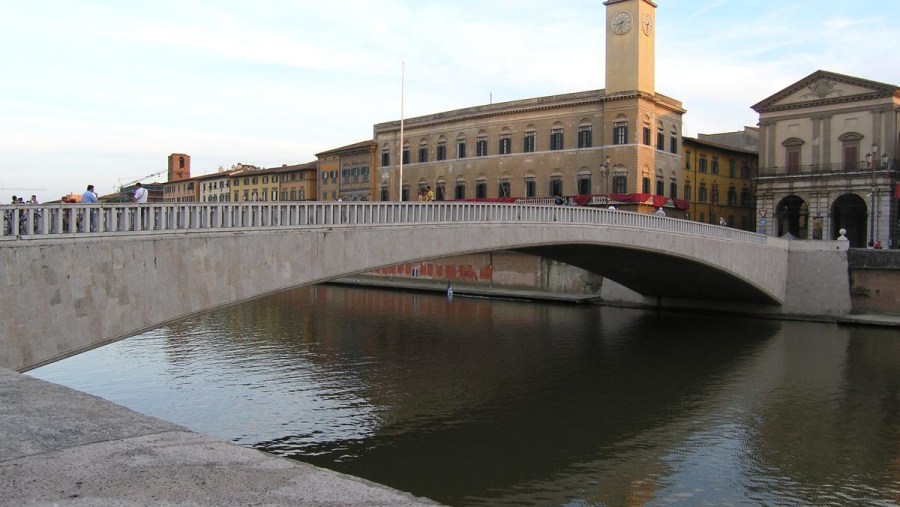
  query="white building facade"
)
[{"x": 828, "y": 154}]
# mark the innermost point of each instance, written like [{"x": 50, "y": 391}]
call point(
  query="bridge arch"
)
[{"x": 97, "y": 287}]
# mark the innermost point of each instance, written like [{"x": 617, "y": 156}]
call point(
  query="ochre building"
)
[{"x": 622, "y": 142}]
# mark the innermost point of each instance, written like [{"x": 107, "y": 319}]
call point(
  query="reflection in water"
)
[{"x": 484, "y": 402}]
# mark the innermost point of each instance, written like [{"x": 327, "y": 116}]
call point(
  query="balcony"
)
[{"x": 832, "y": 169}]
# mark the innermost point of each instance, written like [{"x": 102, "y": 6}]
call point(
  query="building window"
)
[
  {"x": 732, "y": 196},
  {"x": 645, "y": 184},
  {"x": 687, "y": 160},
  {"x": 701, "y": 193},
  {"x": 731, "y": 168},
  {"x": 715, "y": 166},
  {"x": 385, "y": 159},
  {"x": 701, "y": 165},
  {"x": 647, "y": 135},
  {"x": 620, "y": 132},
  {"x": 714, "y": 195},
  {"x": 585, "y": 136},
  {"x": 687, "y": 190},
  {"x": 442, "y": 150},
  {"x": 745, "y": 170},
  {"x": 673, "y": 143},
  {"x": 584, "y": 184},
  {"x": 505, "y": 144},
  {"x": 460, "y": 148},
  {"x": 460, "y": 190},
  {"x": 406, "y": 154},
  {"x": 530, "y": 187},
  {"x": 660, "y": 186},
  {"x": 481, "y": 189},
  {"x": 481, "y": 146},
  {"x": 660, "y": 140},
  {"x": 792, "y": 154},
  {"x": 556, "y": 139},
  {"x": 503, "y": 189},
  {"x": 385, "y": 193},
  {"x": 423, "y": 152},
  {"x": 673, "y": 190},
  {"x": 745, "y": 197},
  {"x": 440, "y": 193},
  {"x": 556, "y": 186},
  {"x": 528, "y": 142},
  {"x": 620, "y": 183}
]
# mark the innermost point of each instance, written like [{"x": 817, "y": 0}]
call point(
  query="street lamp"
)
[
  {"x": 872, "y": 160},
  {"x": 604, "y": 170}
]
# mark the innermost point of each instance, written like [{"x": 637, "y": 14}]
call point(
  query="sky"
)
[{"x": 101, "y": 92}]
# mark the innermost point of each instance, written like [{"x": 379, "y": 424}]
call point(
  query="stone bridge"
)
[{"x": 76, "y": 277}]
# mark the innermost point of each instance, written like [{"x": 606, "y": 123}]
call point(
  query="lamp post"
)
[
  {"x": 872, "y": 161},
  {"x": 604, "y": 170}
]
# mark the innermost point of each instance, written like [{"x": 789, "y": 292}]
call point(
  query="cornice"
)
[
  {"x": 826, "y": 102},
  {"x": 525, "y": 106}
]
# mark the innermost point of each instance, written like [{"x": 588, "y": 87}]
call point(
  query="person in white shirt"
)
[{"x": 140, "y": 194}]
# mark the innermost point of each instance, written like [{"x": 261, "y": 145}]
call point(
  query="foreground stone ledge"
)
[{"x": 59, "y": 446}]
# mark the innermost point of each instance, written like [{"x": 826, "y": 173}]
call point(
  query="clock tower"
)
[{"x": 630, "y": 46}]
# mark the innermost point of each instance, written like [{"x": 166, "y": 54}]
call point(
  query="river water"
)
[{"x": 474, "y": 401}]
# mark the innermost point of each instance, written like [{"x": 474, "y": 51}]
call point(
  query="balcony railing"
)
[
  {"x": 835, "y": 168},
  {"x": 64, "y": 221}
]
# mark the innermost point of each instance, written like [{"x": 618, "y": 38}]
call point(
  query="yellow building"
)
[
  {"x": 623, "y": 140},
  {"x": 346, "y": 173},
  {"x": 718, "y": 182},
  {"x": 297, "y": 182}
]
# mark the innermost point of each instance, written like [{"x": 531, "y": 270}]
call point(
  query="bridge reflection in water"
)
[{"x": 485, "y": 402}]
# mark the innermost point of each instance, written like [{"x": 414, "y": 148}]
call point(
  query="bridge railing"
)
[{"x": 21, "y": 223}]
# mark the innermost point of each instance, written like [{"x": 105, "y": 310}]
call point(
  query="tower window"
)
[{"x": 620, "y": 132}]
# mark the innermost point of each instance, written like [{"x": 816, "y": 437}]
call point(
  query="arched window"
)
[
  {"x": 423, "y": 151},
  {"x": 620, "y": 130},
  {"x": 442, "y": 148},
  {"x": 556, "y": 136},
  {"x": 481, "y": 188},
  {"x": 584, "y": 182},
  {"x": 528, "y": 141},
  {"x": 503, "y": 187},
  {"x": 585, "y": 136},
  {"x": 505, "y": 142},
  {"x": 660, "y": 137},
  {"x": 459, "y": 191},
  {"x": 481, "y": 145},
  {"x": 461, "y": 146}
]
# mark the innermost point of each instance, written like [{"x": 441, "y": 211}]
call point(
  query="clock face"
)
[
  {"x": 621, "y": 23},
  {"x": 647, "y": 24}
]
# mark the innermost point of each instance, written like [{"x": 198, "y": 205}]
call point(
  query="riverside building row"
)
[{"x": 822, "y": 160}]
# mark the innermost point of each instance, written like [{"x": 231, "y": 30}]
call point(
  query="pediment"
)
[{"x": 823, "y": 87}]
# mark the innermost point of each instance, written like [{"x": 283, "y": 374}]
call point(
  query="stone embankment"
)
[{"x": 62, "y": 447}]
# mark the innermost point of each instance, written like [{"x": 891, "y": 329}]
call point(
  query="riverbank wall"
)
[
  {"x": 875, "y": 281},
  {"x": 824, "y": 284}
]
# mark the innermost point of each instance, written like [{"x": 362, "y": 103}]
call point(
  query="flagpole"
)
[{"x": 402, "y": 79}]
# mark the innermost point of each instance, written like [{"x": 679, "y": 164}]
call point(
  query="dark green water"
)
[{"x": 487, "y": 402}]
